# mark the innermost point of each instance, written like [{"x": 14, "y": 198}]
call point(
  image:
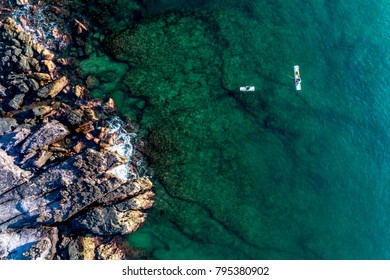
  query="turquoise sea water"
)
[{"x": 272, "y": 174}]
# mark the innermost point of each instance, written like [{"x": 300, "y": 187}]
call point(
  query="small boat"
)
[
  {"x": 247, "y": 88},
  {"x": 297, "y": 76}
]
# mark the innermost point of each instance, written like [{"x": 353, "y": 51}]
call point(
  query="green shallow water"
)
[{"x": 272, "y": 174}]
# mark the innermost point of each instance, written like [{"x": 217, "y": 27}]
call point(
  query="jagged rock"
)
[
  {"x": 82, "y": 248},
  {"x": 98, "y": 248},
  {"x": 134, "y": 187},
  {"x": 40, "y": 76},
  {"x": 49, "y": 65},
  {"x": 75, "y": 118},
  {"x": 32, "y": 84},
  {"x": 10, "y": 140},
  {"x": 16, "y": 43},
  {"x": 16, "y": 51},
  {"x": 79, "y": 91},
  {"x": 11, "y": 174},
  {"x": 7, "y": 125},
  {"x": 43, "y": 157},
  {"x": 108, "y": 221},
  {"x": 28, "y": 244},
  {"x": 47, "y": 54},
  {"x": 41, "y": 110},
  {"x": 52, "y": 89},
  {"x": 109, "y": 106},
  {"x": 37, "y": 47},
  {"x": 17, "y": 101},
  {"x": 78, "y": 147},
  {"x": 28, "y": 51},
  {"x": 91, "y": 115},
  {"x": 60, "y": 192},
  {"x": 23, "y": 87},
  {"x": 115, "y": 249},
  {"x": 22, "y": 63},
  {"x": 139, "y": 202},
  {"x": 85, "y": 128},
  {"x": 123, "y": 217},
  {"x": 35, "y": 65},
  {"x": 45, "y": 135},
  {"x": 3, "y": 91}
]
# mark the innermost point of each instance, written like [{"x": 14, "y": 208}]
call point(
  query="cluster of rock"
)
[{"x": 58, "y": 198}]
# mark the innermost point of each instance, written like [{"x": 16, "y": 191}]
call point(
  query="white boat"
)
[
  {"x": 297, "y": 77},
  {"x": 247, "y": 88}
]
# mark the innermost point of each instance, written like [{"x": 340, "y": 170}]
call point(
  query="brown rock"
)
[
  {"x": 49, "y": 65},
  {"x": 48, "y": 55},
  {"x": 140, "y": 202},
  {"x": 43, "y": 158},
  {"x": 113, "y": 250},
  {"x": 53, "y": 89},
  {"x": 82, "y": 248},
  {"x": 89, "y": 136},
  {"x": 38, "y": 47},
  {"x": 91, "y": 114},
  {"x": 85, "y": 128},
  {"x": 109, "y": 106},
  {"x": 40, "y": 76},
  {"x": 78, "y": 147},
  {"x": 79, "y": 91}
]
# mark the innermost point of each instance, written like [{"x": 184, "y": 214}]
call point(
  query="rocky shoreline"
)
[{"x": 59, "y": 198}]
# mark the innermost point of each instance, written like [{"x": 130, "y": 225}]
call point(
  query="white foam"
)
[
  {"x": 38, "y": 25},
  {"x": 123, "y": 145}
]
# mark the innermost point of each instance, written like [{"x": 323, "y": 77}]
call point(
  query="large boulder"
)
[{"x": 28, "y": 244}]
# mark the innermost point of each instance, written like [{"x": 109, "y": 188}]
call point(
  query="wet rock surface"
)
[{"x": 59, "y": 195}]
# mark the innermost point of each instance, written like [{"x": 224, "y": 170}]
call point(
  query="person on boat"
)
[
  {"x": 297, "y": 80},
  {"x": 247, "y": 88}
]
